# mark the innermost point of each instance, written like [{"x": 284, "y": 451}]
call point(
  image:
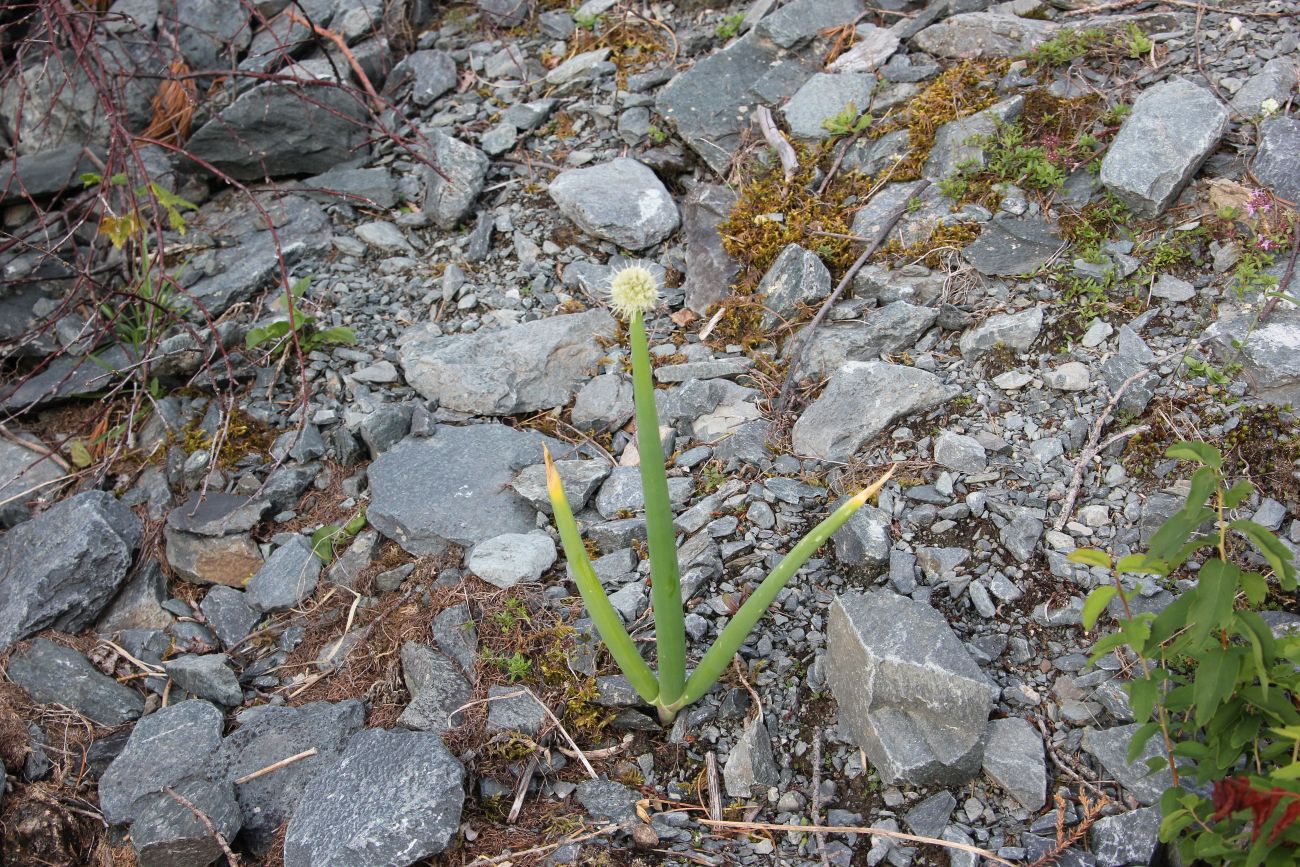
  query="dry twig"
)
[
  {"x": 207, "y": 823},
  {"x": 856, "y": 829},
  {"x": 275, "y": 766}
]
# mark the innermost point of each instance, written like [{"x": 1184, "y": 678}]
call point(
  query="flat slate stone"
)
[
  {"x": 217, "y": 514},
  {"x": 1014, "y": 759},
  {"x": 1016, "y": 331},
  {"x": 1277, "y": 162},
  {"x": 581, "y": 480},
  {"x": 1173, "y": 128},
  {"x": 621, "y": 201},
  {"x": 207, "y": 676},
  {"x": 166, "y": 833},
  {"x": 1127, "y": 840},
  {"x": 798, "y": 276},
  {"x": 229, "y": 614},
  {"x": 54, "y": 674},
  {"x": 750, "y": 762},
  {"x": 527, "y": 367},
  {"x": 395, "y": 797},
  {"x": 438, "y": 685},
  {"x": 449, "y": 196},
  {"x": 229, "y": 560},
  {"x": 453, "y": 487},
  {"x": 893, "y": 328},
  {"x": 25, "y": 475},
  {"x": 1012, "y": 246},
  {"x": 1267, "y": 351},
  {"x": 60, "y": 569},
  {"x": 287, "y": 578},
  {"x": 826, "y": 96},
  {"x": 510, "y": 558},
  {"x": 165, "y": 747},
  {"x": 953, "y": 142},
  {"x": 971, "y": 35},
  {"x": 710, "y": 270},
  {"x": 1110, "y": 747}
]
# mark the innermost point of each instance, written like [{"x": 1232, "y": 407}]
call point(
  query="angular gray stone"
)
[
  {"x": 211, "y": 35},
  {"x": 375, "y": 186},
  {"x": 1275, "y": 80},
  {"x": 54, "y": 674},
  {"x": 953, "y": 142},
  {"x": 1127, "y": 840},
  {"x": 608, "y": 801},
  {"x": 384, "y": 236},
  {"x": 217, "y": 514},
  {"x": 1021, "y": 534},
  {"x": 166, "y": 833},
  {"x": 621, "y": 201},
  {"x": 798, "y": 276},
  {"x": 930, "y": 817},
  {"x": 228, "y": 613},
  {"x": 453, "y": 629},
  {"x": 1170, "y": 288},
  {"x": 710, "y": 270},
  {"x": 908, "y": 691},
  {"x": 454, "y": 487},
  {"x": 60, "y": 569},
  {"x": 229, "y": 560},
  {"x": 750, "y": 762},
  {"x": 581, "y": 479},
  {"x": 1014, "y": 759},
  {"x": 959, "y": 453},
  {"x": 622, "y": 492},
  {"x": 1267, "y": 351},
  {"x": 165, "y": 747},
  {"x": 1173, "y": 128},
  {"x": 395, "y": 797},
  {"x": 511, "y": 709},
  {"x": 431, "y": 73},
  {"x": 873, "y": 46},
  {"x": 46, "y": 172},
  {"x": 206, "y": 676},
  {"x": 1110, "y": 747},
  {"x": 1277, "y": 162},
  {"x": 1011, "y": 246},
  {"x": 890, "y": 329},
  {"x": 138, "y": 605},
  {"x": 715, "y": 368},
  {"x": 972, "y": 35},
  {"x": 865, "y": 538},
  {"x": 505, "y": 13},
  {"x": 1016, "y": 331},
  {"x": 267, "y": 734},
  {"x": 1131, "y": 355},
  {"x": 605, "y": 403},
  {"x": 523, "y": 368},
  {"x": 825, "y": 96},
  {"x": 385, "y": 426},
  {"x": 448, "y": 199},
  {"x": 800, "y": 21},
  {"x": 271, "y": 130},
  {"x": 510, "y": 558},
  {"x": 437, "y": 684},
  {"x": 287, "y": 578},
  {"x": 862, "y": 400},
  {"x": 1071, "y": 376}
]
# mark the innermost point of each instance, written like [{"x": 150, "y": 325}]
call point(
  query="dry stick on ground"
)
[
  {"x": 508, "y": 857},
  {"x": 711, "y": 781},
  {"x": 856, "y": 829},
  {"x": 521, "y": 789},
  {"x": 790, "y": 377},
  {"x": 784, "y": 150},
  {"x": 1186, "y": 4},
  {"x": 207, "y": 823},
  {"x": 817, "y": 795},
  {"x": 1094, "y": 445},
  {"x": 275, "y": 766},
  {"x": 347, "y": 53},
  {"x": 1059, "y": 761}
]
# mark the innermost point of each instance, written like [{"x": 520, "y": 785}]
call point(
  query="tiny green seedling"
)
[
  {"x": 298, "y": 322},
  {"x": 847, "y": 122},
  {"x": 634, "y": 292}
]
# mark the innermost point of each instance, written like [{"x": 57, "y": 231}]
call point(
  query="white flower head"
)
[
  {"x": 633, "y": 289},
  {"x": 1269, "y": 107}
]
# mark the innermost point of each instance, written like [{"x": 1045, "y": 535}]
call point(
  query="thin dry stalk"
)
[
  {"x": 779, "y": 143},
  {"x": 816, "y": 816},
  {"x": 1065, "y": 838},
  {"x": 207, "y": 823},
  {"x": 715, "y": 790},
  {"x": 856, "y": 829},
  {"x": 275, "y": 766},
  {"x": 509, "y": 857}
]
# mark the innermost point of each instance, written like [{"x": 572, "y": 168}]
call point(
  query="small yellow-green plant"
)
[
  {"x": 280, "y": 333},
  {"x": 847, "y": 122},
  {"x": 730, "y": 26},
  {"x": 634, "y": 292}
]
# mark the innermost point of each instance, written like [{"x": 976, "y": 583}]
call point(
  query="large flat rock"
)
[
  {"x": 54, "y": 674},
  {"x": 621, "y": 201}
]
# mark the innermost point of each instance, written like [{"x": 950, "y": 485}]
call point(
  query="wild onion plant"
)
[{"x": 634, "y": 292}]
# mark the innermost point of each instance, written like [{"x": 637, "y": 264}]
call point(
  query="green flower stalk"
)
[{"x": 634, "y": 292}]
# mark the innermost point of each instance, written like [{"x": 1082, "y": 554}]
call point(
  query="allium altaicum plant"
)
[{"x": 634, "y": 292}]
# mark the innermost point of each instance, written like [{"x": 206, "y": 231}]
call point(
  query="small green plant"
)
[
  {"x": 330, "y": 539},
  {"x": 954, "y": 187},
  {"x": 1115, "y": 115},
  {"x": 1070, "y": 45},
  {"x": 847, "y": 122},
  {"x": 516, "y": 666},
  {"x": 586, "y": 21},
  {"x": 634, "y": 292},
  {"x": 730, "y": 26},
  {"x": 1135, "y": 43},
  {"x": 1200, "y": 367},
  {"x": 657, "y": 135},
  {"x": 280, "y": 333},
  {"x": 514, "y": 613},
  {"x": 1215, "y": 684}
]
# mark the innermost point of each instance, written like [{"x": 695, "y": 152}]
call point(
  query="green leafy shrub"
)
[
  {"x": 1216, "y": 685},
  {"x": 280, "y": 333}
]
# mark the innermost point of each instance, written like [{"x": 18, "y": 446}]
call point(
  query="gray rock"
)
[
  {"x": 384, "y": 427},
  {"x": 510, "y": 558},
  {"x": 228, "y": 614},
  {"x": 420, "y": 488},
  {"x": 1110, "y": 747},
  {"x": 959, "y": 453},
  {"x": 166, "y": 833},
  {"x": 604, "y": 403},
  {"x": 984, "y": 34},
  {"x": 384, "y": 236},
  {"x": 1170, "y": 288},
  {"x": 438, "y": 686},
  {"x": 211, "y": 34},
  {"x": 229, "y": 560},
  {"x": 1016, "y": 331},
  {"x": 165, "y": 747},
  {"x": 710, "y": 270},
  {"x": 512, "y": 709},
  {"x": 1131, "y": 356},
  {"x": 46, "y": 172},
  {"x": 1011, "y": 246},
  {"x": 750, "y": 762},
  {"x": 874, "y": 45},
  {"x": 217, "y": 514},
  {"x": 956, "y": 142},
  {"x": 581, "y": 479},
  {"x": 535, "y": 365},
  {"x": 430, "y": 73},
  {"x": 608, "y": 801},
  {"x": 714, "y": 368},
  {"x": 908, "y": 691},
  {"x": 505, "y": 13},
  {"x": 1127, "y": 840},
  {"x": 60, "y": 569},
  {"x": 1071, "y": 376},
  {"x": 796, "y": 23},
  {"x": 865, "y": 538},
  {"x": 622, "y": 492},
  {"x": 1275, "y": 80},
  {"x": 1173, "y": 128},
  {"x": 246, "y": 257},
  {"x": 1021, "y": 534},
  {"x": 621, "y": 201},
  {"x": 267, "y": 734},
  {"x": 54, "y": 674},
  {"x": 580, "y": 69},
  {"x": 302, "y": 444},
  {"x": 825, "y": 96},
  {"x": 1014, "y": 759},
  {"x": 375, "y": 186},
  {"x": 138, "y": 605},
  {"x": 66, "y": 376},
  {"x": 453, "y": 629},
  {"x": 930, "y": 817},
  {"x": 395, "y": 797},
  {"x": 449, "y": 193},
  {"x": 798, "y": 276},
  {"x": 1277, "y": 162},
  {"x": 271, "y": 130},
  {"x": 894, "y": 328},
  {"x": 283, "y": 487},
  {"x": 287, "y": 578},
  {"x": 861, "y": 401},
  {"x": 206, "y": 676}
]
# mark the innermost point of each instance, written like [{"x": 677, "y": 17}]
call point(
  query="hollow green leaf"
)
[{"x": 1096, "y": 603}]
